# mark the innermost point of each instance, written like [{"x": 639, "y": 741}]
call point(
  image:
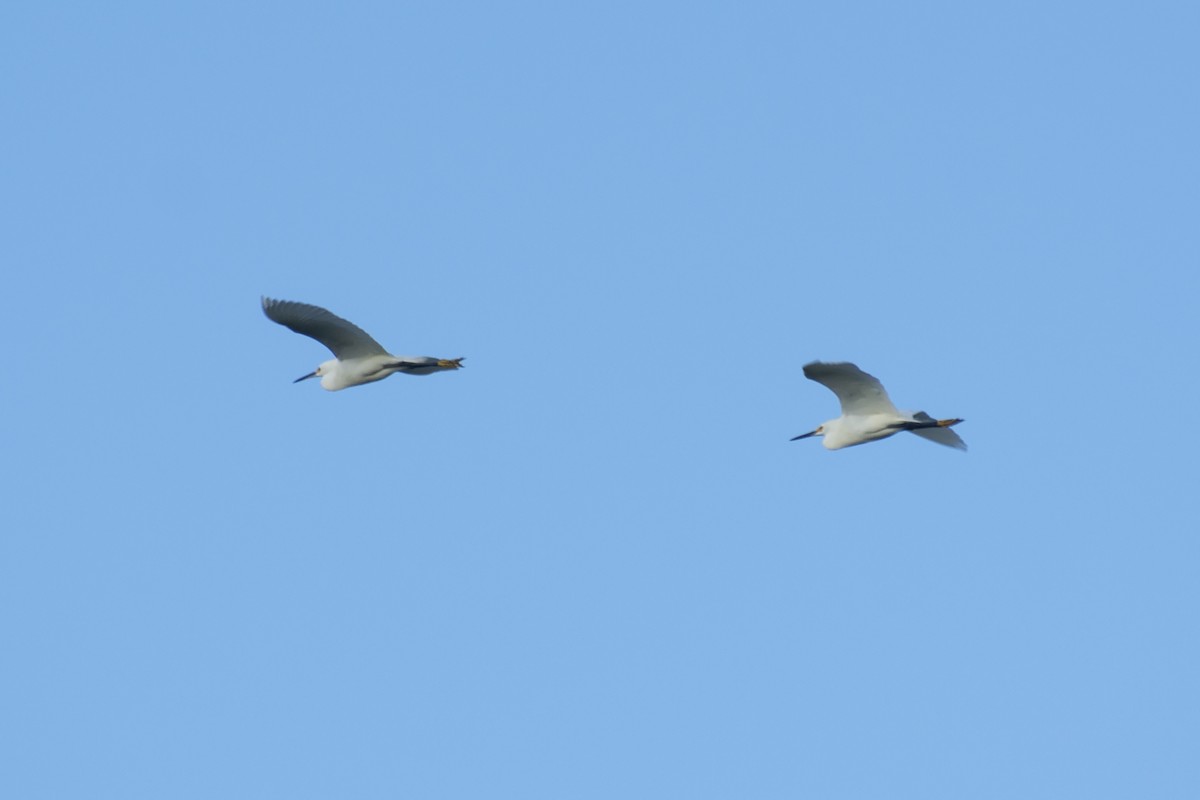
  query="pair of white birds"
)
[{"x": 867, "y": 411}]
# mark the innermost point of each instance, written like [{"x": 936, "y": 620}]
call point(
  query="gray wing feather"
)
[
  {"x": 944, "y": 436},
  {"x": 343, "y": 338},
  {"x": 858, "y": 392}
]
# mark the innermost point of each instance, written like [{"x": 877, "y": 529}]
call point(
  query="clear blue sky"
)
[{"x": 591, "y": 564}]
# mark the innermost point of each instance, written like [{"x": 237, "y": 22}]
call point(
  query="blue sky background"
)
[{"x": 591, "y": 564}]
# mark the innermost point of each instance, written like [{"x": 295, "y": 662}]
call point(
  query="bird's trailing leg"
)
[
  {"x": 425, "y": 366},
  {"x": 928, "y": 422}
]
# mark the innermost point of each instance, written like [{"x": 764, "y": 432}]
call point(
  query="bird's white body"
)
[
  {"x": 858, "y": 429},
  {"x": 359, "y": 358},
  {"x": 867, "y": 412}
]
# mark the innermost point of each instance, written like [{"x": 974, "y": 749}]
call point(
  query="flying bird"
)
[
  {"x": 358, "y": 358},
  {"x": 868, "y": 413}
]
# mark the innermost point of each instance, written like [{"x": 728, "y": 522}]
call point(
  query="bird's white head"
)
[
  {"x": 323, "y": 372},
  {"x": 833, "y": 435}
]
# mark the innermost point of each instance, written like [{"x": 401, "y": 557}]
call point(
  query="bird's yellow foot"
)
[
  {"x": 450, "y": 363},
  {"x": 946, "y": 423}
]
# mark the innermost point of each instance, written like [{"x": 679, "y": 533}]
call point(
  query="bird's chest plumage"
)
[{"x": 853, "y": 430}]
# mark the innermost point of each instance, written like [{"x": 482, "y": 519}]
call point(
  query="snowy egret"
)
[
  {"x": 358, "y": 358},
  {"x": 868, "y": 413}
]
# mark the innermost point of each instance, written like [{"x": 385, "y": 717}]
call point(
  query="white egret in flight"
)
[
  {"x": 358, "y": 358},
  {"x": 868, "y": 413}
]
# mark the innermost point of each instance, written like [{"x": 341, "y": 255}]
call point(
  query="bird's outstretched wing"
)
[
  {"x": 345, "y": 339},
  {"x": 944, "y": 436},
  {"x": 858, "y": 392}
]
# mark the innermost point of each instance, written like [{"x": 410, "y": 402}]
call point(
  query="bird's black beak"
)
[
  {"x": 312, "y": 374},
  {"x": 803, "y": 436}
]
